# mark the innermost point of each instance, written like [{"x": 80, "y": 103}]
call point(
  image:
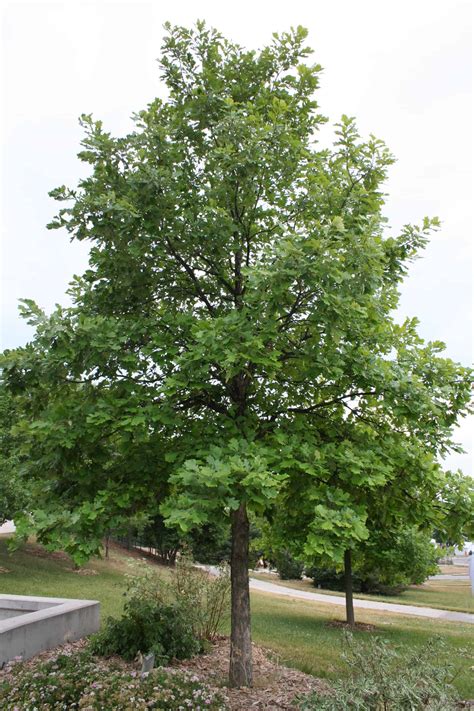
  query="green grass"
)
[
  {"x": 32, "y": 571},
  {"x": 445, "y": 595},
  {"x": 296, "y": 630}
]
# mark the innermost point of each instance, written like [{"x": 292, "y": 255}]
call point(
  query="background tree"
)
[
  {"x": 13, "y": 491},
  {"x": 237, "y": 302},
  {"x": 385, "y": 564},
  {"x": 374, "y": 488}
]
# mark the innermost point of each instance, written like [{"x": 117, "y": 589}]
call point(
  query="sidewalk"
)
[{"x": 431, "y": 612}]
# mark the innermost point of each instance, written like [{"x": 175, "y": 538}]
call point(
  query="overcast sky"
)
[{"x": 404, "y": 69}]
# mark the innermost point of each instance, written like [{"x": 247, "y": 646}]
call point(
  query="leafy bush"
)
[
  {"x": 395, "y": 560},
  {"x": 205, "y": 599},
  {"x": 166, "y": 542},
  {"x": 331, "y": 579},
  {"x": 148, "y": 626},
  {"x": 78, "y": 681},
  {"x": 383, "y": 679},
  {"x": 152, "y": 622},
  {"x": 288, "y": 568},
  {"x": 170, "y": 619}
]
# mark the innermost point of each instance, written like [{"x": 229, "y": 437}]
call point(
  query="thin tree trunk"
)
[
  {"x": 240, "y": 670},
  {"x": 350, "y": 619}
]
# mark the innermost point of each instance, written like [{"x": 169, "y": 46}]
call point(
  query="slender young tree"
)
[
  {"x": 368, "y": 494},
  {"x": 237, "y": 302}
]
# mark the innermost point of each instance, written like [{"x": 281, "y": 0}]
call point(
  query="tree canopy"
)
[{"x": 235, "y": 320}]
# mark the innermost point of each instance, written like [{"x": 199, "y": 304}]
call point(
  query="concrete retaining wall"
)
[{"x": 43, "y": 623}]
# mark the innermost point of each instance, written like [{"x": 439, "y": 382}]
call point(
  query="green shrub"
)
[
  {"x": 211, "y": 543},
  {"x": 205, "y": 599},
  {"x": 330, "y": 579},
  {"x": 79, "y": 681},
  {"x": 148, "y": 626},
  {"x": 396, "y": 559},
  {"x": 171, "y": 619},
  {"x": 288, "y": 568},
  {"x": 152, "y": 621},
  {"x": 381, "y": 678}
]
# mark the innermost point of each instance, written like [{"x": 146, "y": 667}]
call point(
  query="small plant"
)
[
  {"x": 78, "y": 681},
  {"x": 204, "y": 598},
  {"x": 145, "y": 627},
  {"x": 383, "y": 680},
  {"x": 171, "y": 619},
  {"x": 153, "y": 621}
]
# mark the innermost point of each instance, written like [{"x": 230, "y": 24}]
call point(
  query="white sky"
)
[{"x": 402, "y": 68}]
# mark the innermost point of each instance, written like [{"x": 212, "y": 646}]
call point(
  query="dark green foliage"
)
[
  {"x": 385, "y": 564},
  {"x": 383, "y": 679},
  {"x": 400, "y": 558},
  {"x": 165, "y": 542},
  {"x": 331, "y": 579},
  {"x": 13, "y": 489},
  {"x": 148, "y": 626},
  {"x": 210, "y": 544},
  {"x": 288, "y": 567}
]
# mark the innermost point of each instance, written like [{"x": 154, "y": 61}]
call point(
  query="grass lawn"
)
[
  {"x": 446, "y": 595},
  {"x": 296, "y": 630},
  {"x": 33, "y": 571}
]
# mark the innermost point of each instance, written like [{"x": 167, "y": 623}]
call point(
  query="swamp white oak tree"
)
[{"x": 237, "y": 302}]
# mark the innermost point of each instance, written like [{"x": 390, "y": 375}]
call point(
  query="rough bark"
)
[
  {"x": 350, "y": 619},
  {"x": 240, "y": 670}
]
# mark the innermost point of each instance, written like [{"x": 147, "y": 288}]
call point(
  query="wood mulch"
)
[
  {"x": 275, "y": 686},
  {"x": 360, "y": 626}
]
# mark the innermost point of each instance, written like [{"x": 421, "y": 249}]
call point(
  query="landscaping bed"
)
[
  {"x": 275, "y": 686},
  {"x": 71, "y": 678},
  {"x": 198, "y": 683}
]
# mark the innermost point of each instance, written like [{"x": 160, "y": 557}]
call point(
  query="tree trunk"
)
[
  {"x": 240, "y": 670},
  {"x": 350, "y": 619}
]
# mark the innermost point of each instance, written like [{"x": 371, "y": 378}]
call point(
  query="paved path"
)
[
  {"x": 442, "y": 577},
  {"x": 431, "y": 612}
]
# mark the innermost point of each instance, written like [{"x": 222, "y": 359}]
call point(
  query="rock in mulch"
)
[{"x": 275, "y": 686}]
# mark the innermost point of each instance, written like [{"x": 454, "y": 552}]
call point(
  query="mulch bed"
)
[
  {"x": 275, "y": 686},
  {"x": 360, "y": 626}
]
